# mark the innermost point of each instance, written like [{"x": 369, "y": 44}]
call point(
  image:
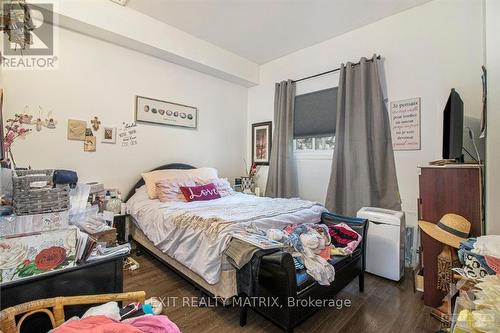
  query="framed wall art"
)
[
  {"x": 261, "y": 142},
  {"x": 76, "y": 129},
  {"x": 405, "y": 124},
  {"x": 150, "y": 110},
  {"x": 109, "y": 135}
]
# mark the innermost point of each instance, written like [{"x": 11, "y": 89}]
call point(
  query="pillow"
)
[
  {"x": 200, "y": 192},
  {"x": 169, "y": 189},
  {"x": 222, "y": 184},
  {"x": 151, "y": 178}
]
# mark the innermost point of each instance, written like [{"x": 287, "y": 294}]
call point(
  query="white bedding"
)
[{"x": 193, "y": 247}]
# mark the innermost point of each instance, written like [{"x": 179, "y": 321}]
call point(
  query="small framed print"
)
[
  {"x": 261, "y": 142},
  {"x": 150, "y": 110},
  {"x": 109, "y": 135},
  {"x": 89, "y": 144}
]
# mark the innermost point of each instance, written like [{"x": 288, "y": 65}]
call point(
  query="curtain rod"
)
[{"x": 328, "y": 72}]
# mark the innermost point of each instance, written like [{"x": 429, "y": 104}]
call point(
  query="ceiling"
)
[{"x": 263, "y": 30}]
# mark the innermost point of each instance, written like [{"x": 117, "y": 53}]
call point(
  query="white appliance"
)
[{"x": 385, "y": 254}]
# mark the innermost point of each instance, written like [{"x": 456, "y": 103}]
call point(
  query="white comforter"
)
[{"x": 193, "y": 247}]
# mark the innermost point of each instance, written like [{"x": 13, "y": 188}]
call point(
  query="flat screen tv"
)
[{"x": 453, "y": 127}]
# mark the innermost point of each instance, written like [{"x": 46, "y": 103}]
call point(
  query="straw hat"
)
[{"x": 450, "y": 230}]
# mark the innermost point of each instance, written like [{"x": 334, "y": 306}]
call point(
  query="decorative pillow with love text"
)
[{"x": 200, "y": 192}]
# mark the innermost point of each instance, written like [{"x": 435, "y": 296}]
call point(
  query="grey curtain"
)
[
  {"x": 363, "y": 170},
  {"x": 282, "y": 175}
]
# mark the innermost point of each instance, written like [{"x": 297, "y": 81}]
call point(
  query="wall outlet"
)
[{"x": 120, "y": 2}]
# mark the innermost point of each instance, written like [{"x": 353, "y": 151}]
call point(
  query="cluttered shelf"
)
[{"x": 49, "y": 223}]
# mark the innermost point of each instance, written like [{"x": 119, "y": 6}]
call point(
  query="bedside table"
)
[{"x": 119, "y": 223}]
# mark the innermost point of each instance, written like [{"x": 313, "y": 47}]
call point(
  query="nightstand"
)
[{"x": 119, "y": 223}]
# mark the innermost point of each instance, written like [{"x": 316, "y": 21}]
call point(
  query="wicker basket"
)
[{"x": 28, "y": 201}]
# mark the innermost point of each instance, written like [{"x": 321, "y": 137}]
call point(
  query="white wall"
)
[
  {"x": 427, "y": 51},
  {"x": 96, "y": 78},
  {"x": 493, "y": 140}
]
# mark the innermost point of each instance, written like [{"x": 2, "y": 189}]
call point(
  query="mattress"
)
[{"x": 225, "y": 288}]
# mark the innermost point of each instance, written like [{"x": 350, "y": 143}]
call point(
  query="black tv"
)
[{"x": 453, "y": 127}]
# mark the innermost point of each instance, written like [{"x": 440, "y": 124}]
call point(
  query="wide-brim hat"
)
[{"x": 450, "y": 230}]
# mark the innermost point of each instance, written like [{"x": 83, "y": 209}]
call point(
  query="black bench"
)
[{"x": 287, "y": 303}]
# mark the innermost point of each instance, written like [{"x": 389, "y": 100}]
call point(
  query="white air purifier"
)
[{"x": 385, "y": 254}]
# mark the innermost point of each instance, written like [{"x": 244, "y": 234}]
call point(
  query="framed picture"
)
[
  {"x": 261, "y": 142},
  {"x": 76, "y": 129},
  {"x": 109, "y": 135},
  {"x": 89, "y": 144},
  {"x": 150, "y": 110}
]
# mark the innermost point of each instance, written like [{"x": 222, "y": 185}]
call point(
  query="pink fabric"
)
[
  {"x": 168, "y": 190},
  {"x": 153, "y": 324},
  {"x": 98, "y": 324},
  {"x": 494, "y": 263},
  {"x": 222, "y": 184},
  {"x": 344, "y": 234},
  {"x": 200, "y": 192}
]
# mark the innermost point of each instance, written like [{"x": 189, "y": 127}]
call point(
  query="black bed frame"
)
[{"x": 140, "y": 247}]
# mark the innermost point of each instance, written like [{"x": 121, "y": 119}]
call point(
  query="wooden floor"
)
[{"x": 384, "y": 306}]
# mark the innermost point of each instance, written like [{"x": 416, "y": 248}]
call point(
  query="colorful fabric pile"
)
[
  {"x": 109, "y": 318},
  {"x": 480, "y": 256},
  {"x": 344, "y": 239}
]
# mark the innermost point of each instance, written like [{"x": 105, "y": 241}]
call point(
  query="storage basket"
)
[{"x": 29, "y": 200}]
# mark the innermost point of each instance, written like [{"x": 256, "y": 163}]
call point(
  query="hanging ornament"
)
[
  {"x": 95, "y": 123},
  {"x": 38, "y": 123},
  {"x": 50, "y": 122}
]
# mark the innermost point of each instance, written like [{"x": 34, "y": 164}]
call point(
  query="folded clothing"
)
[
  {"x": 487, "y": 246},
  {"x": 240, "y": 252},
  {"x": 63, "y": 177}
]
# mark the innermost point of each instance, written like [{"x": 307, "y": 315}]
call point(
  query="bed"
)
[{"x": 198, "y": 254}]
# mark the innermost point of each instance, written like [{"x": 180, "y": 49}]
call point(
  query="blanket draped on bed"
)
[{"x": 213, "y": 219}]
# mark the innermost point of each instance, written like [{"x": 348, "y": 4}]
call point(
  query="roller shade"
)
[{"x": 315, "y": 113}]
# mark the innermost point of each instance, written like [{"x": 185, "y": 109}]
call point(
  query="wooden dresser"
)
[{"x": 447, "y": 189}]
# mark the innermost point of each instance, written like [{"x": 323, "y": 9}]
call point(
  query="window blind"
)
[{"x": 315, "y": 113}]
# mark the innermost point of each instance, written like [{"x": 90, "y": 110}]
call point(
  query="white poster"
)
[{"x": 405, "y": 124}]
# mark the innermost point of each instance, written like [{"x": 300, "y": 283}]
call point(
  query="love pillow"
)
[{"x": 200, "y": 192}]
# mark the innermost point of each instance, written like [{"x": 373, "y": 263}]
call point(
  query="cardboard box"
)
[{"x": 28, "y": 255}]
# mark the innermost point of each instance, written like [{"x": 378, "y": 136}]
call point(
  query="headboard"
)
[{"x": 163, "y": 167}]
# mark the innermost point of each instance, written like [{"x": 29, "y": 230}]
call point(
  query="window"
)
[
  {"x": 314, "y": 144},
  {"x": 314, "y": 122}
]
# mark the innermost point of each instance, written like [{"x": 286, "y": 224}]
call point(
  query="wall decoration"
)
[
  {"x": 34, "y": 254},
  {"x": 156, "y": 111},
  {"x": 405, "y": 124},
  {"x": 89, "y": 145},
  {"x": 109, "y": 135},
  {"x": 261, "y": 143},
  {"x": 15, "y": 131},
  {"x": 76, "y": 129},
  {"x": 95, "y": 123},
  {"x": 128, "y": 134}
]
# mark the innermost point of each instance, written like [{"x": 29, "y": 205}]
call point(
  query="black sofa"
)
[{"x": 277, "y": 281}]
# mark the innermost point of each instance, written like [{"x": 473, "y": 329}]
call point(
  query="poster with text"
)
[{"x": 405, "y": 124}]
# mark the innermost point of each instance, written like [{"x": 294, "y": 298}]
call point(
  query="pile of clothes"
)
[
  {"x": 312, "y": 246},
  {"x": 479, "y": 256},
  {"x": 133, "y": 318}
]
